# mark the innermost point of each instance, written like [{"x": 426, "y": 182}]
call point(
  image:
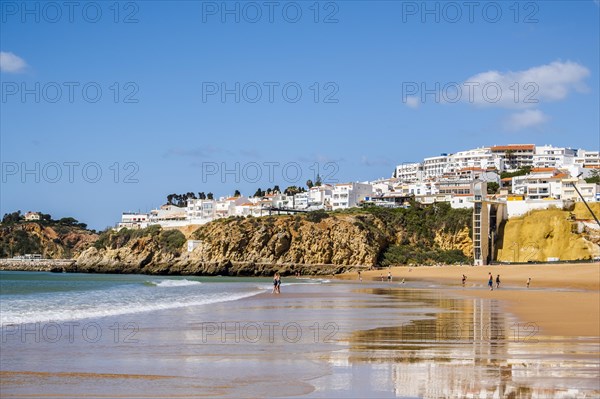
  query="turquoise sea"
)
[{"x": 27, "y": 297}]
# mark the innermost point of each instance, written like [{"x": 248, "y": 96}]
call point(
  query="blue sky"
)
[{"x": 367, "y": 71}]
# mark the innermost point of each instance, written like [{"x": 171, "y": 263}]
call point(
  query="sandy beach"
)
[
  {"x": 563, "y": 299},
  {"x": 322, "y": 338}
]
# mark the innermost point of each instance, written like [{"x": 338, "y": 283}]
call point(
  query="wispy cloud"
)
[
  {"x": 413, "y": 102},
  {"x": 527, "y": 88},
  {"x": 319, "y": 158},
  {"x": 529, "y": 118},
  {"x": 370, "y": 162},
  {"x": 11, "y": 63},
  {"x": 198, "y": 152}
]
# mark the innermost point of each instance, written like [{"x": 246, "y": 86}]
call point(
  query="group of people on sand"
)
[
  {"x": 491, "y": 281},
  {"x": 277, "y": 284}
]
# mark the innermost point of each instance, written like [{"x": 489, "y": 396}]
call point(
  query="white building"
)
[
  {"x": 548, "y": 156},
  {"x": 349, "y": 195},
  {"x": 589, "y": 191},
  {"x": 32, "y": 216},
  {"x": 541, "y": 183},
  {"x": 514, "y": 156},
  {"x": 226, "y": 207},
  {"x": 193, "y": 244},
  {"x": 588, "y": 159},
  {"x": 409, "y": 172},
  {"x": 481, "y": 158},
  {"x": 167, "y": 212},
  {"x": 462, "y": 201},
  {"x": 383, "y": 186},
  {"x": 435, "y": 166},
  {"x": 420, "y": 188},
  {"x": 200, "y": 210},
  {"x": 133, "y": 220},
  {"x": 301, "y": 200},
  {"x": 320, "y": 196}
]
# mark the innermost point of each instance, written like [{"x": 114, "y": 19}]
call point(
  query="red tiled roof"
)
[
  {"x": 534, "y": 170},
  {"x": 470, "y": 168}
]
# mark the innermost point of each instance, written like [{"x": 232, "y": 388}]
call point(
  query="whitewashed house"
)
[
  {"x": 548, "y": 156},
  {"x": 588, "y": 159},
  {"x": 409, "y": 172},
  {"x": 226, "y": 207},
  {"x": 320, "y": 196},
  {"x": 589, "y": 191},
  {"x": 200, "y": 211},
  {"x": 541, "y": 183},
  {"x": 133, "y": 220},
  {"x": 29, "y": 216},
  {"x": 301, "y": 200},
  {"x": 349, "y": 195}
]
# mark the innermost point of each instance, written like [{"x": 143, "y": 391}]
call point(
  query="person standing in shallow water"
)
[
  {"x": 491, "y": 282},
  {"x": 278, "y": 283},
  {"x": 528, "y": 282},
  {"x": 464, "y": 279},
  {"x": 275, "y": 284}
]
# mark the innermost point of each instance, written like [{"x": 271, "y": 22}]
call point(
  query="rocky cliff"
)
[
  {"x": 543, "y": 235},
  {"x": 317, "y": 243},
  {"x": 52, "y": 241}
]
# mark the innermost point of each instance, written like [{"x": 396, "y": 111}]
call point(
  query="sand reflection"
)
[{"x": 469, "y": 348}]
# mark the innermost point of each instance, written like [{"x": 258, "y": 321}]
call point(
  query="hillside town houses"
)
[{"x": 538, "y": 177}]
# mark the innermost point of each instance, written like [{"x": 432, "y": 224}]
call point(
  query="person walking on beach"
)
[
  {"x": 498, "y": 281},
  {"x": 389, "y": 277},
  {"x": 359, "y": 276},
  {"x": 464, "y": 279},
  {"x": 528, "y": 282},
  {"x": 278, "y": 283},
  {"x": 381, "y": 277},
  {"x": 275, "y": 283},
  {"x": 491, "y": 282}
]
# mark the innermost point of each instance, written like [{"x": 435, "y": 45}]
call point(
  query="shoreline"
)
[
  {"x": 343, "y": 336},
  {"x": 563, "y": 299}
]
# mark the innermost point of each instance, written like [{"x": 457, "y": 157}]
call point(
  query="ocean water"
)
[
  {"x": 144, "y": 336},
  {"x": 29, "y": 297}
]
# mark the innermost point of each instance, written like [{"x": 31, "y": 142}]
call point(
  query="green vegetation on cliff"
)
[
  {"x": 360, "y": 236},
  {"x": 170, "y": 241},
  {"x": 54, "y": 239},
  {"x": 416, "y": 229}
]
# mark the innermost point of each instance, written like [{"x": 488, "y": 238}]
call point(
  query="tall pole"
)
[{"x": 586, "y": 204}]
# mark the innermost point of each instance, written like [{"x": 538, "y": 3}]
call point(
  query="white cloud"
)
[
  {"x": 11, "y": 63},
  {"x": 366, "y": 161},
  {"x": 524, "y": 89},
  {"x": 526, "y": 119},
  {"x": 412, "y": 102}
]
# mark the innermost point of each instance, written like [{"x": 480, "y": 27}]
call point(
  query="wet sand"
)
[
  {"x": 336, "y": 339},
  {"x": 561, "y": 300}
]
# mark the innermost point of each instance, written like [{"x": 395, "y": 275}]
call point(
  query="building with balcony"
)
[
  {"x": 133, "y": 220},
  {"x": 349, "y": 195},
  {"x": 541, "y": 183},
  {"x": 514, "y": 156},
  {"x": 548, "y": 156},
  {"x": 409, "y": 172}
]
